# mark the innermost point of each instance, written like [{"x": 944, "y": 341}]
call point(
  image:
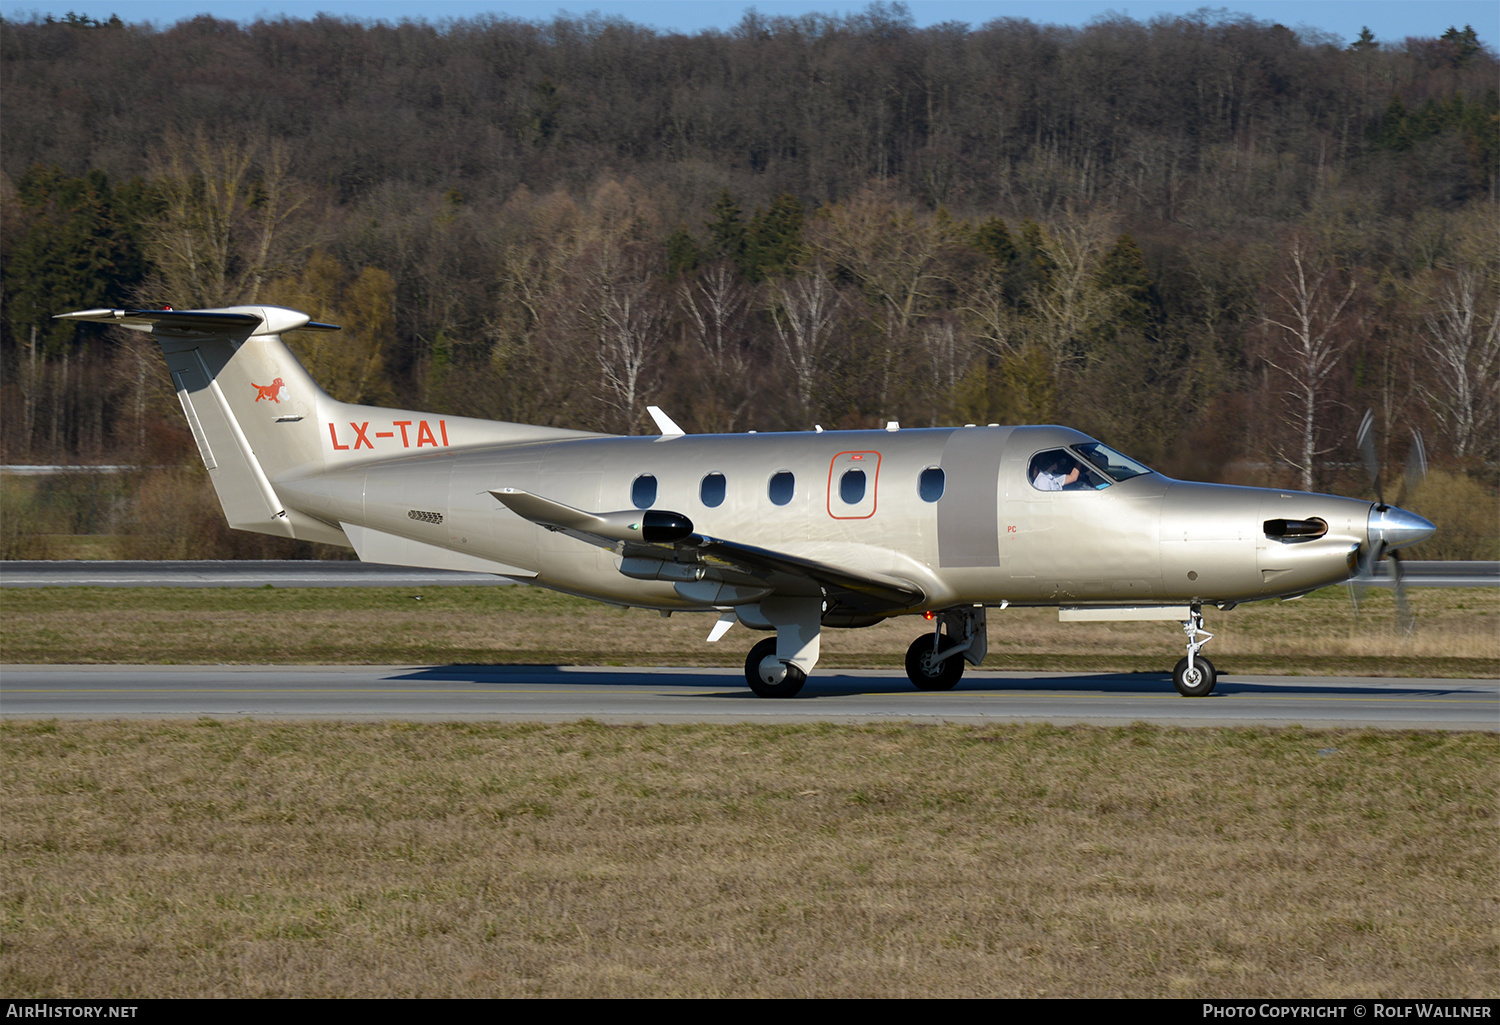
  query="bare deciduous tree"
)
[
  {"x": 804, "y": 310},
  {"x": 715, "y": 304},
  {"x": 1461, "y": 329},
  {"x": 1072, "y": 303},
  {"x": 627, "y": 310},
  {"x": 949, "y": 355},
  {"x": 1306, "y": 316},
  {"x": 222, "y": 232}
]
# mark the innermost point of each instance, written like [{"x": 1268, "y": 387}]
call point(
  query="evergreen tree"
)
[
  {"x": 1465, "y": 44},
  {"x": 683, "y": 254},
  {"x": 80, "y": 249},
  {"x": 1124, "y": 271},
  {"x": 992, "y": 238},
  {"x": 774, "y": 248},
  {"x": 726, "y": 230}
]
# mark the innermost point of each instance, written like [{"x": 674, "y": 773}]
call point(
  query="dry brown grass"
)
[
  {"x": 1457, "y": 635},
  {"x": 262, "y": 859}
]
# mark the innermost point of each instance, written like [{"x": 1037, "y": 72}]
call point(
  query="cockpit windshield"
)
[
  {"x": 1120, "y": 467},
  {"x": 1087, "y": 467}
]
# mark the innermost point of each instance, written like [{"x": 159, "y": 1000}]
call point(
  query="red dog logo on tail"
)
[{"x": 270, "y": 391}]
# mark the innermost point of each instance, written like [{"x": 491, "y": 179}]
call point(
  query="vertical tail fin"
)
[
  {"x": 261, "y": 421},
  {"x": 253, "y": 410}
]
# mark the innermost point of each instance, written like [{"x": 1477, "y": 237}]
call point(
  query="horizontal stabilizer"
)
[{"x": 243, "y": 321}]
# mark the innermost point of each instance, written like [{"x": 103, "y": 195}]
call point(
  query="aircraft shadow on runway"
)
[{"x": 847, "y": 682}]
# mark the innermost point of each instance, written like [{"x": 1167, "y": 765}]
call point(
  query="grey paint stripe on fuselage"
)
[{"x": 969, "y": 511}]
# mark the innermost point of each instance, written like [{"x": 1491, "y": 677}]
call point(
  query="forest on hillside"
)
[{"x": 1208, "y": 240}]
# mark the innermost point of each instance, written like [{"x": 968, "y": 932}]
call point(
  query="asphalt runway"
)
[{"x": 567, "y": 693}]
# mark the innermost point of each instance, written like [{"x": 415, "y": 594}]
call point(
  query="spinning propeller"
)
[{"x": 1390, "y": 528}]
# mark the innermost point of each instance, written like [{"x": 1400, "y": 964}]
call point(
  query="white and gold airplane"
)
[{"x": 788, "y": 532}]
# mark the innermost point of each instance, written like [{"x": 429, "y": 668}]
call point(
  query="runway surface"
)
[{"x": 564, "y": 693}]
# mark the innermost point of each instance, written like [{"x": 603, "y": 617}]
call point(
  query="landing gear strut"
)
[
  {"x": 935, "y": 661},
  {"x": 1194, "y": 676},
  {"x": 777, "y": 667}
]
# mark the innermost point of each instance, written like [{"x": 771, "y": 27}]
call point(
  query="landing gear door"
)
[{"x": 852, "y": 481}]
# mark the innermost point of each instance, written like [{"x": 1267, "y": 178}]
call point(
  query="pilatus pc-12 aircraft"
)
[{"x": 789, "y": 533}]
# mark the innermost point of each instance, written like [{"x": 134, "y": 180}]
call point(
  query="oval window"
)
[
  {"x": 643, "y": 491},
  {"x": 930, "y": 485},
  {"x": 852, "y": 487},
  {"x": 712, "y": 490},
  {"x": 783, "y": 486}
]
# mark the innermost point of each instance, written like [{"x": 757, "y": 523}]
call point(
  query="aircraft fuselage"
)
[{"x": 989, "y": 536}]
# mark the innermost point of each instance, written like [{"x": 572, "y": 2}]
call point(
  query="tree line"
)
[{"x": 1206, "y": 239}]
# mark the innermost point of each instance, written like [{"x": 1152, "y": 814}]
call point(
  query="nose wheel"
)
[
  {"x": 1196, "y": 680},
  {"x": 926, "y": 670},
  {"x": 1195, "y": 676}
]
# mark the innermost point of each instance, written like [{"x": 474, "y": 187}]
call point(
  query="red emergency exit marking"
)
[{"x": 421, "y": 437}]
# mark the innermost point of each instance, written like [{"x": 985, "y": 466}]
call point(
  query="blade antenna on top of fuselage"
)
[{"x": 665, "y": 423}]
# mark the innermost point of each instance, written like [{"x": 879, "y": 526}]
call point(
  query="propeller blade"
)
[
  {"x": 1416, "y": 465},
  {"x": 1365, "y": 440},
  {"x": 1404, "y": 618}
]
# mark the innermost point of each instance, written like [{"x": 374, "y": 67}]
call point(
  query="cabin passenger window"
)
[
  {"x": 783, "y": 485},
  {"x": 643, "y": 491},
  {"x": 852, "y": 487},
  {"x": 931, "y": 484},
  {"x": 711, "y": 491}
]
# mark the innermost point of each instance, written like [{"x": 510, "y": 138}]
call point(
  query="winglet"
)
[{"x": 665, "y": 423}]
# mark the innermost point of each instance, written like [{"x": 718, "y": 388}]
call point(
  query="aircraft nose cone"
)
[{"x": 1396, "y": 528}]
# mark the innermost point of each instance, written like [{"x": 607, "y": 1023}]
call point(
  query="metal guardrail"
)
[
  {"x": 37, "y": 470},
  {"x": 234, "y": 573},
  {"x": 309, "y": 573}
]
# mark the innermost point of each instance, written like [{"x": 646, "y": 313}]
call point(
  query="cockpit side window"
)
[{"x": 1060, "y": 470}]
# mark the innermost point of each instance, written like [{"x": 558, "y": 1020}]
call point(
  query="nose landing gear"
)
[
  {"x": 1194, "y": 676},
  {"x": 935, "y": 661}
]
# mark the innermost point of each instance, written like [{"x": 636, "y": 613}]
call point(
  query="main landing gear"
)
[
  {"x": 768, "y": 675},
  {"x": 777, "y": 667},
  {"x": 1194, "y": 676}
]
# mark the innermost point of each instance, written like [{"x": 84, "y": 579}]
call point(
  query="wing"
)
[{"x": 659, "y": 545}]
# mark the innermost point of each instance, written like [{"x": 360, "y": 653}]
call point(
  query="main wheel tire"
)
[
  {"x": 770, "y": 677},
  {"x": 930, "y": 675},
  {"x": 1196, "y": 684}
]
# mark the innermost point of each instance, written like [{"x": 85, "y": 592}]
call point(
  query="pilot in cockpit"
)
[
  {"x": 1057, "y": 474},
  {"x": 1062, "y": 470}
]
